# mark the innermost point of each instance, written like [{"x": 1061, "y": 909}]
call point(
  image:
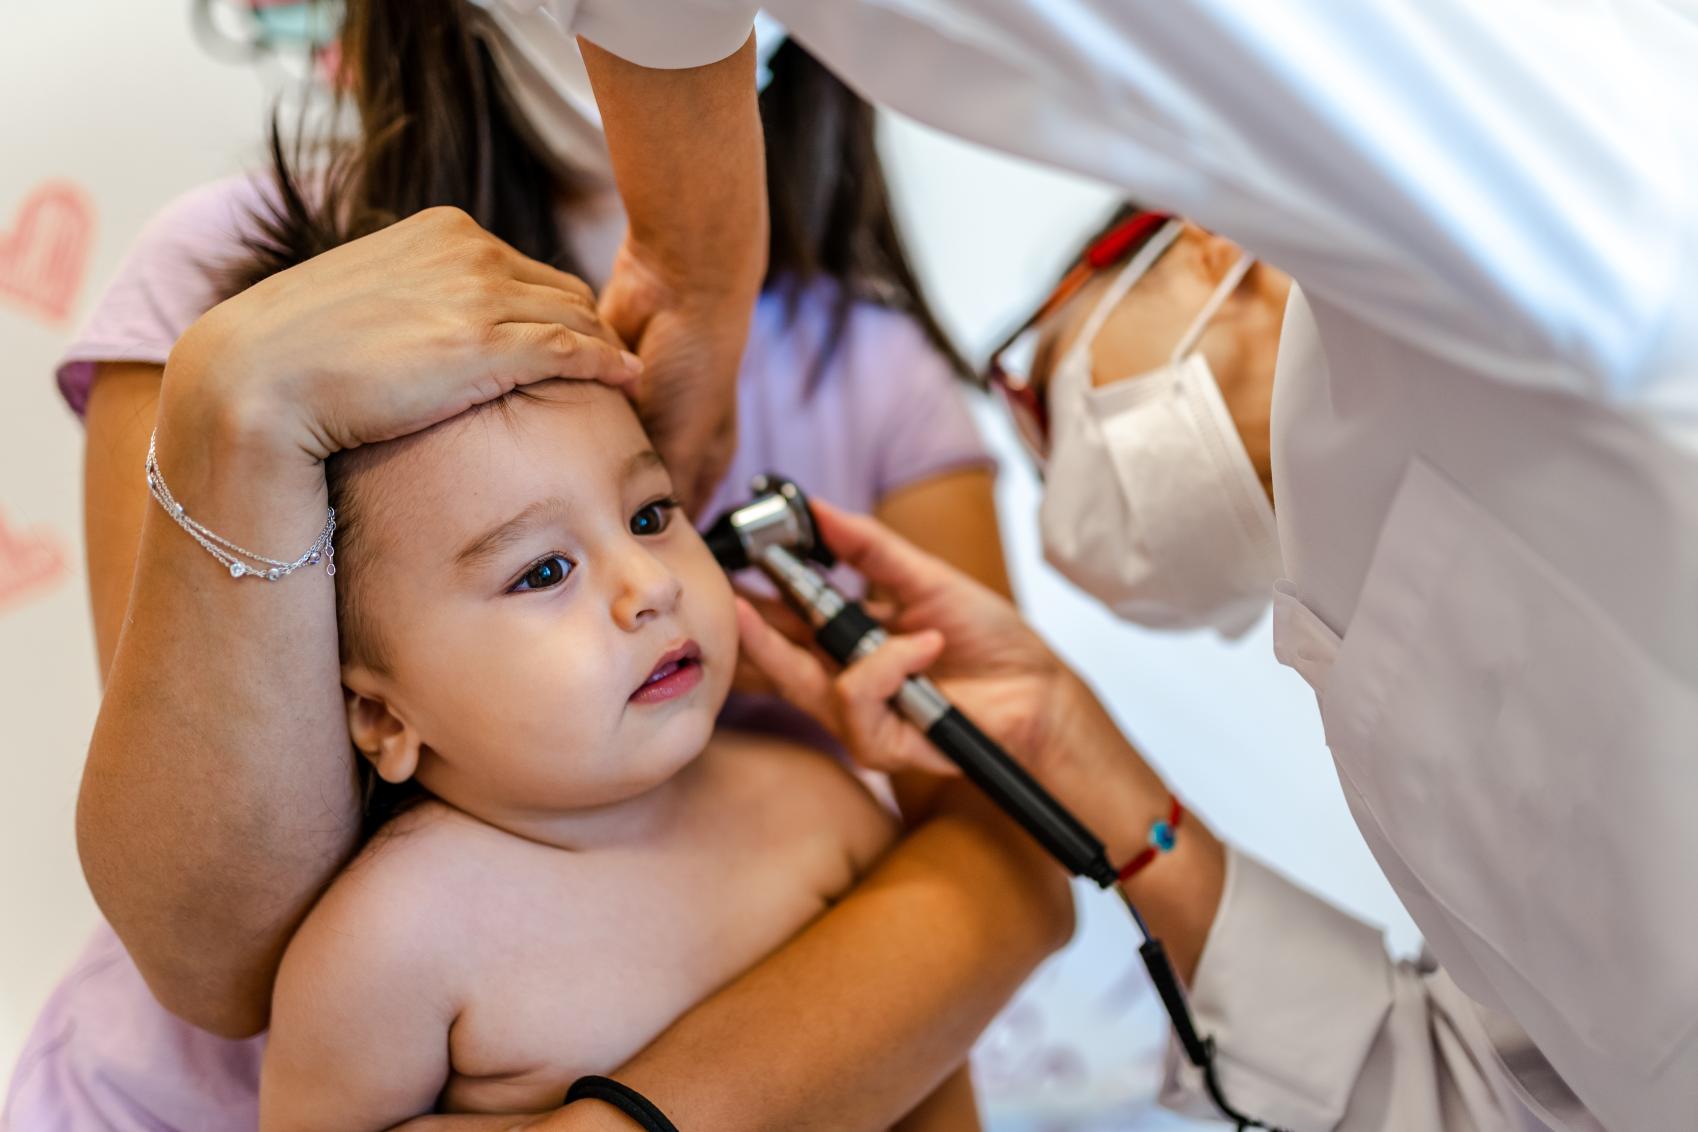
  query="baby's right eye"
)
[{"x": 546, "y": 574}]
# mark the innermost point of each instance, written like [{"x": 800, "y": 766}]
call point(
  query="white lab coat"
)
[{"x": 1486, "y": 463}]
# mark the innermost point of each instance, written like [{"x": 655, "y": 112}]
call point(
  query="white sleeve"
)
[
  {"x": 1317, "y": 1028},
  {"x": 1504, "y": 184},
  {"x": 665, "y": 34}
]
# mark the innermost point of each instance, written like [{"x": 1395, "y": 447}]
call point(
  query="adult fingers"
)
[
  {"x": 856, "y": 706},
  {"x": 876, "y": 735},
  {"x": 528, "y": 270},
  {"x": 518, "y": 353},
  {"x": 528, "y": 302}
]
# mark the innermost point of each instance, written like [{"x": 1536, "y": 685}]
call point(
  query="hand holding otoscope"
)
[{"x": 776, "y": 532}]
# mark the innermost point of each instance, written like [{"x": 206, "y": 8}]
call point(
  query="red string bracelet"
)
[{"x": 1163, "y": 836}]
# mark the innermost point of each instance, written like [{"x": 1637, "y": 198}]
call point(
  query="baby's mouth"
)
[{"x": 677, "y": 672}]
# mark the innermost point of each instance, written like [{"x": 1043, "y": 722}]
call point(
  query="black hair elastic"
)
[{"x": 622, "y": 1097}]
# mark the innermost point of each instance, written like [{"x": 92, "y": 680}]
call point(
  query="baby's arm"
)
[{"x": 361, "y": 1013}]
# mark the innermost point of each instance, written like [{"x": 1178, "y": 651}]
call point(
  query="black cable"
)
[{"x": 1199, "y": 1051}]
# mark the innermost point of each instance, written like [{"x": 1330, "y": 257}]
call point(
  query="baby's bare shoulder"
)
[
  {"x": 800, "y": 790},
  {"x": 406, "y": 889}
]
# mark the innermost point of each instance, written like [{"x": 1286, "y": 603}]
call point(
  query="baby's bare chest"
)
[{"x": 577, "y": 968}]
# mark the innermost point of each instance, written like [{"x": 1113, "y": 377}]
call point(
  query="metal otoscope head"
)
[{"x": 778, "y": 515}]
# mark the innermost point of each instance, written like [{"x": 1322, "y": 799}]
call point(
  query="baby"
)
[{"x": 536, "y": 637}]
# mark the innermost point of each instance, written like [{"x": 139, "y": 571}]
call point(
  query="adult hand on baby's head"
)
[{"x": 390, "y": 334}]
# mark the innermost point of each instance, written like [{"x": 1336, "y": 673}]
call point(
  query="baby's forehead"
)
[{"x": 559, "y": 432}]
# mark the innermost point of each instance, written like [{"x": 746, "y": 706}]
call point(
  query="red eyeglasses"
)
[{"x": 1010, "y": 369}]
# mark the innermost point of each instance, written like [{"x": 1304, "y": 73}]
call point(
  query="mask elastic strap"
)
[
  {"x": 1135, "y": 269},
  {"x": 1228, "y": 285}
]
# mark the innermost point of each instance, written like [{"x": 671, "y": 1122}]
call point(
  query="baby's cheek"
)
[
  {"x": 716, "y": 616},
  {"x": 531, "y": 689}
]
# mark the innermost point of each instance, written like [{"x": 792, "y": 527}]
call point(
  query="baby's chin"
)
[{"x": 665, "y": 750}]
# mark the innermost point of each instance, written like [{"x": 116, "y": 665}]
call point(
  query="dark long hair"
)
[
  {"x": 830, "y": 205},
  {"x": 436, "y": 129}
]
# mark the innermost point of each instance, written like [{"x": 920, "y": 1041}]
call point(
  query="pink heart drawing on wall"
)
[
  {"x": 44, "y": 255},
  {"x": 31, "y": 562}
]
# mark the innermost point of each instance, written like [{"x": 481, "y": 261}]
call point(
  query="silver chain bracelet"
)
[{"x": 228, "y": 553}]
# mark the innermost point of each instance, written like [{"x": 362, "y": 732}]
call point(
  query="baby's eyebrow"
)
[
  {"x": 642, "y": 460},
  {"x": 498, "y": 538}
]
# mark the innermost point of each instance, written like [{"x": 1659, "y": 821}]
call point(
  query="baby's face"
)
[{"x": 554, "y": 631}]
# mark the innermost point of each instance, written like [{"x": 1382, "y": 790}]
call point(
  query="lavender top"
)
[{"x": 884, "y": 413}]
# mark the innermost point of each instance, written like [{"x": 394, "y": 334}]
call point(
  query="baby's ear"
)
[{"x": 381, "y": 735}]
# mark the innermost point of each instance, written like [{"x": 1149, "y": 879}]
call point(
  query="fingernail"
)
[{"x": 633, "y": 364}]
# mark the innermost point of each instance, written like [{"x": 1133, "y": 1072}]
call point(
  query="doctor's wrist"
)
[
  {"x": 1179, "y": 894},
  {"x": 1093, "y": 769}
]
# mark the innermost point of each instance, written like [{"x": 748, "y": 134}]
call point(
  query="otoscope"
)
[{"x": 775, "y": 533}]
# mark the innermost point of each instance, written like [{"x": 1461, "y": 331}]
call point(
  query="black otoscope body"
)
[{"x": 775, "y": 533}]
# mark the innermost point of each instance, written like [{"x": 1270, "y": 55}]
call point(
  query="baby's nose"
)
[{"x": 650, "y": 590}]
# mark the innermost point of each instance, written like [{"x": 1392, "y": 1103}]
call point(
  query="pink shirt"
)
[{"x": 884, "y": 413}]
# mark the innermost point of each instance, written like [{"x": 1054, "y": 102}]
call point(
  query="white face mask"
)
[
  {"x": 544, "y": 75},
  {"x": 1150, "y": 501}
]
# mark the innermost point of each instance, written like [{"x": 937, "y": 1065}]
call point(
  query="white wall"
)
[{"x": 119, "y": 102}]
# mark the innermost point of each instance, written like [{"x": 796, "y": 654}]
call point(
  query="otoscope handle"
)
[
  {"x": 1019, "y": 795},
  {"x": 853, "y": 633}
]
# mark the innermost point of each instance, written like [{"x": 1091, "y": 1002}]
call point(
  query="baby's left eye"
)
[
  {"x": 546, "y": 574},
  {"x": 652, "y": 518}
]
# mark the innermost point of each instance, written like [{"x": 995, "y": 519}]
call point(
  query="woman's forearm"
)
[
  {"x": 857, "y": 1019},
  {"x": 218, "y": 796},
  {"x": 1101, "y": 777},
  {"x": 689, "y": 157}
]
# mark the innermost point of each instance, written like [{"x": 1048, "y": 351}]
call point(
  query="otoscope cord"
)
[{"x": 1199, "y": 1051}]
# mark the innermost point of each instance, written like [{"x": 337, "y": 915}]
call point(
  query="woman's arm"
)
[
  {"x": 218, "y": 798},
  {"x": 687, "y": 154},
  {"x": 218, "y": 795},
  {"x": 952, "y": 1108},
  {"x": 865, "y": 1012},
  {"x": 952, "y": 516}
]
